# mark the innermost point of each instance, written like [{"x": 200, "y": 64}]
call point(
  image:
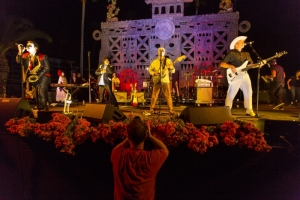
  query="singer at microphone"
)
[
  {"x": 248, "y": 43},
  {"x": 21, "y": 45},
  {"x": 21, "y": 48}
]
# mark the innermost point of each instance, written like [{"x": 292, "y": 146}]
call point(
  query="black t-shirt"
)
[
  {"x": 294, "y": 82},
  {"x": 237, "y": 58},
  {"x": 279, "y": 74}
]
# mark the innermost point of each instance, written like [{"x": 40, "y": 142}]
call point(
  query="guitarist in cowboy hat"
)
[
  {"x": 234, "y": 59},
  {"x": 159, "y": 70}
]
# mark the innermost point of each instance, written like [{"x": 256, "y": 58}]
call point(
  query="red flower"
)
[{"x": 67, "y": 133}]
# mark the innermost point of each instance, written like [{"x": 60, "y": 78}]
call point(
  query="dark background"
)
[{"x": 274, "y": 25}]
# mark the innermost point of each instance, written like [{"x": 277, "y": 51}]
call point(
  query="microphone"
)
[
  {"x": 248, "y": 43},
  {"x": 19, "y": 44}
]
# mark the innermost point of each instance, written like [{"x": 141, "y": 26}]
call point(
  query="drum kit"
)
[{"x": 206, "y": 78}]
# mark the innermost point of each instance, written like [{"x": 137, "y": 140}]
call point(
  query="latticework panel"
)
[{"x": 204, "y": 40}]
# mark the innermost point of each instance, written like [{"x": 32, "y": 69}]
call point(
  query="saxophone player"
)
[{"x": 35, "y": 70}]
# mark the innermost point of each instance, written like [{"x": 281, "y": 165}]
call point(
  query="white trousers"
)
[{"x": 242, "y": 82}]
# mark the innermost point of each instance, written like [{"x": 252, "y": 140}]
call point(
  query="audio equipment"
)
[
  {"x": 206, "y": 115},
  {"x": 13, "y": 108},
  {"x": 102, "y": 113}
]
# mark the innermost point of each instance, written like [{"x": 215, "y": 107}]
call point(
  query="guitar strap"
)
[
  {"x": 164, "y": 65},
  {"x": 165, "y": 61}
]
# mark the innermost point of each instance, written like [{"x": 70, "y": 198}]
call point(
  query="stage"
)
[
  {"x": 264, "y": 111},
  {"x": 34, "y": 169}
]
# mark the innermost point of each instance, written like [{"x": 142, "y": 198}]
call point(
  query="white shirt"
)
[{"x": 101, "y": 82}]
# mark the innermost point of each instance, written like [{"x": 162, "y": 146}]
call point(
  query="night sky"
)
[{"x": 274, "y": 25}]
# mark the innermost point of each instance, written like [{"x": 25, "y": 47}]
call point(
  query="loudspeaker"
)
[
  {"x": 280, "y": 131},
  {"x": 206, "y": 115},
  {"x": 203, "y": 95},
  {"x": 102, "y": 113},
  {"x": 264, "y": 96},
  {"x": 13, "y": 108}
]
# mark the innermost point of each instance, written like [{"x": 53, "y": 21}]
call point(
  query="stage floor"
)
[{"x": 263, "y": 111}]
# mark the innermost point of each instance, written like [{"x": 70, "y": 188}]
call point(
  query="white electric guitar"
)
[{"x": 244, "y": 67}]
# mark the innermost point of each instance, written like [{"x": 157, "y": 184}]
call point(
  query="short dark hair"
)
[
  {"x": 137, "y": 131},
  {"x": 106, "y": 58}
]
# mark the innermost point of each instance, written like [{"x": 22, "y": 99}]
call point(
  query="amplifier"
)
[
  {"x": 264, "y": 96},
  {"x": 203, "y": 95},
  {"x": 140, "y": 96},
  {"x": 121, "y": 96}
]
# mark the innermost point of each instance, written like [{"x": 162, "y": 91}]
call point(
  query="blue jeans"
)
[
  {"x": 294, "y": 94},
  {"x": 275, "y": 93}
]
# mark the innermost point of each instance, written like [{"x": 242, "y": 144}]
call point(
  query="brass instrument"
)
[
  {"x": 68, "y": 101},
  {"x": 33, "y": 77}
]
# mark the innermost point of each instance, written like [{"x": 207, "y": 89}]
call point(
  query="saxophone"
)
[{"x": 33, "y": 77}]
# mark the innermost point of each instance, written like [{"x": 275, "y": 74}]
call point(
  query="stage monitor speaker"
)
[
  {"x": 13, "y": 108},
  {"x": 102, "y": 113},
  {"x": 206, "y": 115},
  {"x": 280, "y": 131}
]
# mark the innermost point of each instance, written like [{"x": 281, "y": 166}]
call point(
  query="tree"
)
[{"x": 14, "y": 29}]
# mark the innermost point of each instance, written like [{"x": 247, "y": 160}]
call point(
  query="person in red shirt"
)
[{"x": 135, "y": 168}]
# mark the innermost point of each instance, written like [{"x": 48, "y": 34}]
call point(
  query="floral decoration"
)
[{"x": 68, "y": 131}]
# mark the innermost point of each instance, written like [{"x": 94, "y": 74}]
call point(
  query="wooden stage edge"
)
[{"x": 263, "y": 111}]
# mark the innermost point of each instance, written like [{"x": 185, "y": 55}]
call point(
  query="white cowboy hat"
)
[{"x": 236, "y": 40}]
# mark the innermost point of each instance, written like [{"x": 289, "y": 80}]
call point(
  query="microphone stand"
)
[
  {"x": 160, "y": 90},
  {"x": 89, "y": 62},
  {"x": 258, "y": 79}
]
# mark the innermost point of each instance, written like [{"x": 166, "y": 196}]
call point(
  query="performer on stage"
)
[
  {"x": 293, "y": 85},
  {"x": 61, "y": 91},
  {"x": 115, "y": 82},
  {"x": 104, "y": 73},
  {"x": 159, "y": 70},
  {"x": 234, "y": 59},
  {"x": 76, "y": 79},
  {"x": 277, "y": 84},
  {"x": 36, "y": 70}
]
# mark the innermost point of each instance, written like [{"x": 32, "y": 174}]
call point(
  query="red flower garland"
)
[{"x": 67, "y": 132}]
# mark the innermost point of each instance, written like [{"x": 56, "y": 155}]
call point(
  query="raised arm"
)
[{"x": 157, "y": 143}]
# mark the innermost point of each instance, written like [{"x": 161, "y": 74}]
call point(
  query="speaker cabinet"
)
[
  {"x": 206, "y": 115},
  {"x": 203, "y": 94},
  {"x": 264, "y": 96},
  {"x": 140, "y": 96},
  {"x": 102, "y": 113},
  {"x": 13, "y": 108},
  {"x": 121, "y": 96},
  {"x": 280, "y": 132}
]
